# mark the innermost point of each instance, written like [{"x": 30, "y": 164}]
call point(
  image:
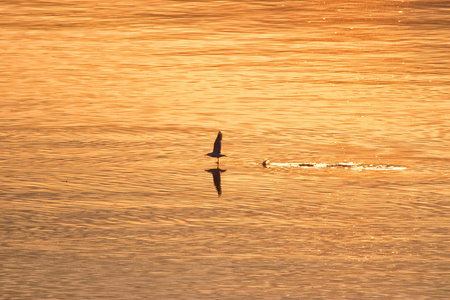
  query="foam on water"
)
[{"x": 345, "y": 165}]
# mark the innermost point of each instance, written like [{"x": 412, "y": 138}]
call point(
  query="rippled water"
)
[{"x": 108, "y": 109}]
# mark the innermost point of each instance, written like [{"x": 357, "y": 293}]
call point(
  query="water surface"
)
[{"x": 107, "y": 112}]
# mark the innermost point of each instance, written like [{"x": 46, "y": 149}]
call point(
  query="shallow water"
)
[{"x": 107, "y": 112}]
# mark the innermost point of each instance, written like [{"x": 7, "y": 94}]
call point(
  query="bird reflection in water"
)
[{"x": 216, "y": 177}]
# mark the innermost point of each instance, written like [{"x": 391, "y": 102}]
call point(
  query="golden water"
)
[{"x": 107, "y": 109}]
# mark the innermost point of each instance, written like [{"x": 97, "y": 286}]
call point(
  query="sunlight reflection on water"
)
[{"x": 108, "y": 111}]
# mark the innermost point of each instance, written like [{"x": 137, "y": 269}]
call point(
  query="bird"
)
[{"x": 217, "y": 147}]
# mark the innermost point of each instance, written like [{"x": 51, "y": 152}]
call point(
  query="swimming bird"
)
[{"x": 217, "y": 147}]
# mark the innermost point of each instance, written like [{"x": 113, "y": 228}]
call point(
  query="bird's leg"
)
[{"x": 217, "y": 161}]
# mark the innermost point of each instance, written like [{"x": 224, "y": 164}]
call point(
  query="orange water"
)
[{"x": 107, "y": 109}]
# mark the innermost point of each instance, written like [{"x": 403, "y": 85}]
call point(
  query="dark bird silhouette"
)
[
  {"x": 217, "y": 147},
  {"x": 216, "y": 178}
]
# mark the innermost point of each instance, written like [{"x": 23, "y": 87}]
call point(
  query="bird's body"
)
[{"x": 217, "y": 147}]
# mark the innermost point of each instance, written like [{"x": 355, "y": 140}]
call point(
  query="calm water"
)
[{"x": 107, "y": 109}]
